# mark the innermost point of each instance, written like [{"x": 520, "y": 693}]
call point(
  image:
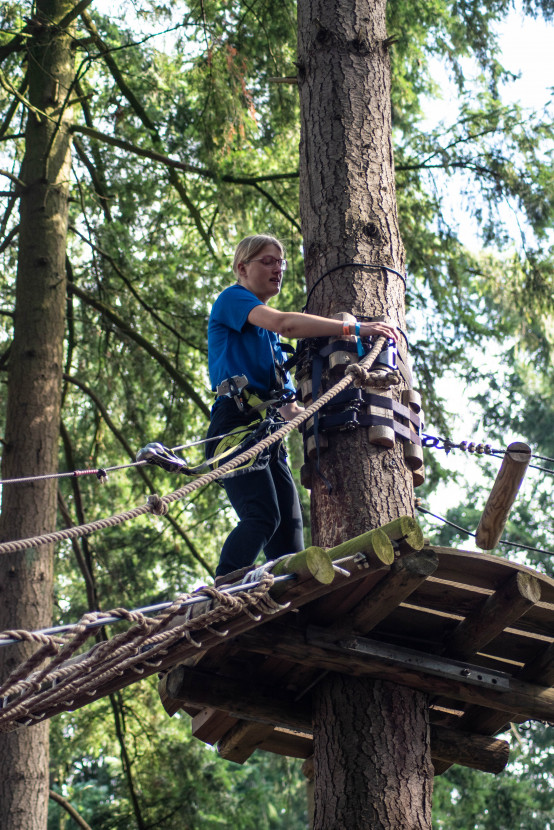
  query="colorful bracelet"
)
[
  {"x": 359, "y": 345},
  {"x": 346, "y": 329}
]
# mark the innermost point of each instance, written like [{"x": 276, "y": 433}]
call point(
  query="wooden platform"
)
[{"x": 474, "y": 631}]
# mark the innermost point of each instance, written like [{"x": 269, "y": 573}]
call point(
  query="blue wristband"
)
[{"x": 359, "y": 344}]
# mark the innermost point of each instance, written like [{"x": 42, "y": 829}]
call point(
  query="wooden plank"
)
[
  {"x": 501, "y": 610},
  {"x": 441, "y": 595},
  {"x": 327, "y": 608},
  {"x": 404, "y": 577},
  {"x": 427, "y": 629},
  {"x": 483, "y": 570}
]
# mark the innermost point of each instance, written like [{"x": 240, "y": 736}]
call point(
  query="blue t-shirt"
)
[{"x": 236, "y": 347}]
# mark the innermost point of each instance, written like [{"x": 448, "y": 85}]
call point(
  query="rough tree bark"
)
[
  {"x": 371, "y": 747},
  {"x": 34, "y": 392}
]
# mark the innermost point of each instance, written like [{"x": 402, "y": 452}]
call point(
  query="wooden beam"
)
[
  {"x": 500, "y": 610},
  {"x": 488, "y": 721},
  {"x": 312, "y": 563},
  {"x": 448, "y": 746},
  {"x": 375, "y": 544},
  {"x": 404, "y": 577},
  {"x": 289, "y": 743},
  {"x": 528, "y": 700},
  {"x": 503, "y": 494},
  {"x": 210, "y": 724},
  {"x": 170, "y": 705},
  {"x": 242, "y": 740},
  {"x": 240, "y": 698},
  {"x": 476, "y": 751},
  {"x": 223, "y": 700}
]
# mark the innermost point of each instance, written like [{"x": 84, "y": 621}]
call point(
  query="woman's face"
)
[{"x": 262, "y": 275}]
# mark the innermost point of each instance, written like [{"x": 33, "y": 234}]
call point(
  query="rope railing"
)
[{"x": 357, "y": 373}]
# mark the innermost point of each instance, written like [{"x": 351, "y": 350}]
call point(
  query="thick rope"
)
[{"x": 159, "y": 505}]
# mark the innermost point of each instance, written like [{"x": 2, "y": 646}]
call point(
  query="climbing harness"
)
[{"x": 266, "y": 419}]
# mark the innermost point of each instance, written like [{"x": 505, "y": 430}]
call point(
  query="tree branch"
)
[
  {"x": 83, "y": 557},
  {"x": 149, "y": 124},
  {"x": 126, "y": 329},
  {"x": 75, "y": 12},
  {"x": 16, "y": 44},
  {"x": 178, "y": 165},
  {"x": 12, "y": 178},
  {"x": 278, "y": 207},
  {"x": 96, "y": 181},
  {"x": 27, "y": 104},
  {"x": 12, "y": 109},
  {"x": 119, "y": 271},
  {"x": 59, "y": 799},
  {"x": 9, "y": 239},
  {"x": 117, "y": 709}
]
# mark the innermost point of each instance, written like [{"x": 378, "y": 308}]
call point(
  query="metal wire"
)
[
  {"x": 147, "y": 609},
  {"x": 470, "y": 533}
]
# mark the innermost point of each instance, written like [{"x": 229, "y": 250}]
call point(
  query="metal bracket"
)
[{"x": 407, "y": 658}]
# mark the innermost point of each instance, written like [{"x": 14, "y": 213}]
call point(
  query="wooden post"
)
[{"x": 503, "y": 494}]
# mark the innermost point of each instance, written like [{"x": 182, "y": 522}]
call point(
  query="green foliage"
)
[
  {"x": 520, "y": 798},
  {"x": 150, "y": 246}
]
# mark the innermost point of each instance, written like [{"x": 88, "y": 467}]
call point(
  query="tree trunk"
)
[
  {"x": 349, "y": 215},
  {"x": 34, "y": 393},
  {"x": 371, "y": 756}
]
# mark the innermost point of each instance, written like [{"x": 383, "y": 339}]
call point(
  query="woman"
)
[{"x": 244, "y": 348}]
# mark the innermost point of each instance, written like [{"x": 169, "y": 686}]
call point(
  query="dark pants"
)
[{"x": 266, "y": 502}]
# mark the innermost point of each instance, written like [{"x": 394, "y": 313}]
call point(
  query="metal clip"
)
[{"x": 159, "y": 455}]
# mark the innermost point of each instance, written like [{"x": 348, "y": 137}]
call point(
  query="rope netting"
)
[{"x": 53, "y": 678}]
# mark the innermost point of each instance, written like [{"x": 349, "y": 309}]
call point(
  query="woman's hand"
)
[
  {"x": 379, "y": 329},
  {"x": 290, "y": 410}
]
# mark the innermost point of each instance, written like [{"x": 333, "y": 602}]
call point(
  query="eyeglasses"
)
[{"x": 269, "y": 262}]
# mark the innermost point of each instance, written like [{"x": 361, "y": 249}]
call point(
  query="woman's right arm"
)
[{"x": 293, "y": 324}]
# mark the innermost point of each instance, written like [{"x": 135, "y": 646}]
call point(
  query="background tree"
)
[
  {"x": 30, "y": 444},
  {"x": 182, "y": 144}
]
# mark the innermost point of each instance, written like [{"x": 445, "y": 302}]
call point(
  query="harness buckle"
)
[{"x": 230, "y": 387}]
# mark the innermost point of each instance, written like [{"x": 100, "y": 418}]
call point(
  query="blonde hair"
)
[{"x": 252, "y": 245}]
